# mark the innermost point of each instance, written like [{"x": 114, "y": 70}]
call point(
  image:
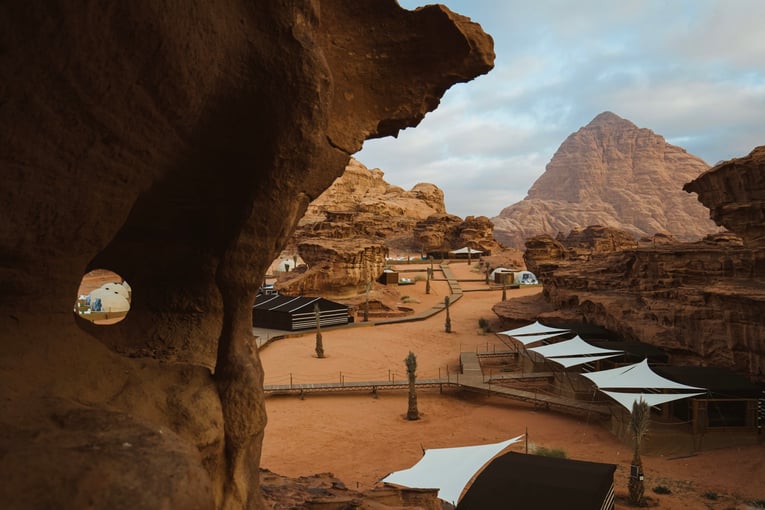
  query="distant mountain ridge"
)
[{"x": 615, "y": 174}]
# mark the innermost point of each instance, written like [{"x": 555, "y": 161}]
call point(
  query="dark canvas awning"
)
[
  {"x": 296, "y": 312},
  {"x": 517, "y": 480}
]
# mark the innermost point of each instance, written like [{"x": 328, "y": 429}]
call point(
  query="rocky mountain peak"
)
[{"x": 611, "y": 173}]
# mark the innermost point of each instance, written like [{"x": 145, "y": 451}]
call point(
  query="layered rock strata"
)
[
  {"x": 360, "y": 219},
  {"x": 177, "y": 145},
  {"x": 701, "y": 302}
]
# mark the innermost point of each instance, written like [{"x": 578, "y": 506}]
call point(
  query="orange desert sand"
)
[{"x": 360, "y": 437}]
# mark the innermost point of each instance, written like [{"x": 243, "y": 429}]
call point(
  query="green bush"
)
[
  {"x": 483, "y": 324},
  {"x": 662, "y": 489},
  {"x": 550, "y": 452}
]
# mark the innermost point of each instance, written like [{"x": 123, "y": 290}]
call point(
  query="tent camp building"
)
[{"x": 292, "y": 313}]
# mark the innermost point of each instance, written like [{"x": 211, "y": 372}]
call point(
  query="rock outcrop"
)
[
  {"x": 348, "y": 231},
  {"x": 702, "y": 302},
  {"x": 177, "y": 145},
  {"x": 734, "y": 192},
  {"x": 610, "y": 173}
]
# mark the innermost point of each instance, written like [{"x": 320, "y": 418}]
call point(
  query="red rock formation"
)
[
  {"x": 614, "y": 174},
  {"x": 702, "y": 302},
  {"x": 734, "y": 192},
  {"x": 178, "y": 145},
  {"x": 350, "y": 228},
  {"x": 336, "y": 268}
]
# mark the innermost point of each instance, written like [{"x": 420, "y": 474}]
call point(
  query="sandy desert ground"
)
[{"x": 360, "y": 437}]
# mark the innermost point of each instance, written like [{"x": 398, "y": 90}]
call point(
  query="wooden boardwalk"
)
[{"x": 471, "y": 379}]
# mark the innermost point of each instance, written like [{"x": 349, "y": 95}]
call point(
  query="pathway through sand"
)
[{"x": 360, "y": 438}]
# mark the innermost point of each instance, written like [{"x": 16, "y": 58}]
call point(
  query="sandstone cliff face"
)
[
  {"x": 177, "y": 145},
  {"x": 614, "y": 174},
  {"x": 702, "y": 302},
  {"x": 360, "y": 219},
  {"x": 734, "y": 192}
]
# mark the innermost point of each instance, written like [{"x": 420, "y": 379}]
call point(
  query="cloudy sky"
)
[{"x": 692, "y": 71}]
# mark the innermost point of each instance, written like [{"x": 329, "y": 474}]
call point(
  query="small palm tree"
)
[
  {"x": 448, "y": 323},
  {"x": 411, "y": 369},
  {"x": 319, "y": 344},
  {"x": 504, "y": 287},
  {"x": 366, "y": 303},
  {"x": 427, "y": 281},
  {"x": 639, "y": 421}
]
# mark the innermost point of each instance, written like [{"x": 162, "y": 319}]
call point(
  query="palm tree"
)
[
  {"x": 366, "y": 303},
  {"x": 504, "y": 286},
  {"x": 411, "y": 369},
  {"x": 448, "y": 323},
  {"x": 427, "y": 281},
  {"x": 319, "y": 345},
  {"x": 639, "y": 421}
]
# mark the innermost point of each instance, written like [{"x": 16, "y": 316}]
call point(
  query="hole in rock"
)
[{"x": 103, "y": 297}]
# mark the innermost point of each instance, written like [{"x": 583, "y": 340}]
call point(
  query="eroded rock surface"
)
[
  {"x": 349, "y": 230},
  {"x": 178, "y": 145},
  {"x": 702, "y": 302},
  {"x": 610, "y": 173},
  {"x": 734, "y": 191}
]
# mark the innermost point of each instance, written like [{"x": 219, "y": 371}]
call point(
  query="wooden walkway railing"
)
[{"x": 471, "y": 378}]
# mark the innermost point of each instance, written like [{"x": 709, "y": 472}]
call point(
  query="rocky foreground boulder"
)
[
  {"x": 176, "y": 144},
  {"x": 615, "y": 174},
  {"x": 702, "y": 302}
]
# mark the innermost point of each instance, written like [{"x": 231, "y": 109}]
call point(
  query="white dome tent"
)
[{"x": 103, "y": 300}]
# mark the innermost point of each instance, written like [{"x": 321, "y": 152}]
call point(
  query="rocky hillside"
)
[
  {"x": 350, "y": 229},
  {"x": 360, "y": 203},
  {"x": 701, "y": 302},
  {"x": 615, "y": 174}
]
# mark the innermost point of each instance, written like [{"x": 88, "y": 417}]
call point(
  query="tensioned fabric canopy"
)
[
  {"x": 572, "y": 361},
  {"x": 530, "y": 339},
  {"x": 638, "y": 375},
  {"x": 535, "y": 328},
  {"x": 448, "y": 469},
  {"x": 466, "y": 249},
  {"x": 652, "y": 399},
  {"x": 574, "y": 347}
]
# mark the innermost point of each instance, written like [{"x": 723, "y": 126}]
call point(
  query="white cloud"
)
[{"x": 690, "y": 70}]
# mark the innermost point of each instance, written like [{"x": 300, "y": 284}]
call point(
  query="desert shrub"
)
[
  {"x": 483, "y": 324},
  {"x": 711, "y": 495},
  {"x": 662, "y": 489},
  {"x": 550, "y": 452}
]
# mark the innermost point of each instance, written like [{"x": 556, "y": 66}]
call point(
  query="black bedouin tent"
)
[
  {"x": 292, "y": 313},
  {"x": 517, "y": 480}
]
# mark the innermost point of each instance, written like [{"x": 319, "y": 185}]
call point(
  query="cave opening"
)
[{"x": 103, "y": 297}]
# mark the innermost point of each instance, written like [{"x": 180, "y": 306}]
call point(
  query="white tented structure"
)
[
  {"x": 448, "y": 469},
  {"x": 576, "y": 351},
  {"x": 103, "y": 300},
  {"x": 640, "y": 377},
  {"x": 117, "y": 288},
  {"x": 525, "y": 278},
  {"x": 535, "y": 332},
  {"x": 535, "y": 328}
]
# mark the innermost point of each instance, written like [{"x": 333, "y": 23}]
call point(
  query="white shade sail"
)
[
  {"x": 574, "y": 347},
  {"x": 652, "y": 399},
  {"x": 531, "y": 339},
  {"x": 466, "y": 249},
  {"x": 572, "y": 361},
  {"x": 638, "y": 375},
  {"x": 448, "y": 469},
  {"x": 535, "y": 328}
]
